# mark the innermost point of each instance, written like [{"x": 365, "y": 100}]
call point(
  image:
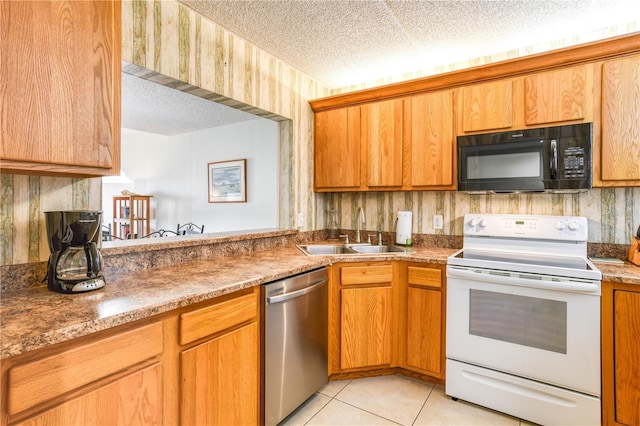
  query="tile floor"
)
[{"x": 391, "y": 400}]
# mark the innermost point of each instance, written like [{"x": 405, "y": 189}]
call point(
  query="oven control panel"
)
[{"x": 568, "y": 228}]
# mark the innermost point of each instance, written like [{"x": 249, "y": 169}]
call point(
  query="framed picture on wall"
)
[{"x": 228, "y": 181}]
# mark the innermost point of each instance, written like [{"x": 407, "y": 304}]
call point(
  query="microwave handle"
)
[{"x": 553, "y": 163}]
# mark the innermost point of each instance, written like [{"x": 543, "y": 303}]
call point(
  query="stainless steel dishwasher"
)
[{"x": 294, "y": 341}]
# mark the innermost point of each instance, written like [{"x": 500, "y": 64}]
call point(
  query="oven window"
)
[
  {"x": 502, "y": 166},
  {"x": 529, "y": 321}
]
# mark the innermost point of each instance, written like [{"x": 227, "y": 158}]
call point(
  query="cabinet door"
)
[
  {"x": 626, "y": 356},
  {"x": 620, "y": 147},
  {"x": 429, "y": 141},
  {"x": 557, "y": 96},
  {"x": 337, "y": 149},
  {"x": 423, "y": 330},
  {"x": 487, "y": 106},
  {"x": 60, "y": 91},
  {"x": 424, "y": 342},
  {"x": 366, "y": 327},
  {"x": 220, "y": 383},
  {"x": 381, "y": 132},
  {"x": 134, "y": 399}
]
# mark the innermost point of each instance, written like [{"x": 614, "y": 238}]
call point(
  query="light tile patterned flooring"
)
[{"x": 391, "y": 400}]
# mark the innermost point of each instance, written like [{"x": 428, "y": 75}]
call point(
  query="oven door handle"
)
[{"x": 517, "y": 279}]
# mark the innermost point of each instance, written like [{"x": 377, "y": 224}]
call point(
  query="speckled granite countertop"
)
[
  {"x": 35, "y": 318},
  {"x": 626, "y": 272}
]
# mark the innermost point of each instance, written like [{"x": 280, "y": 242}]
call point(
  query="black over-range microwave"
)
[{"x": 550, "y": 159}]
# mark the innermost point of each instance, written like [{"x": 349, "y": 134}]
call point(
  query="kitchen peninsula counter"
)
[{"x": 34, "y": 318}]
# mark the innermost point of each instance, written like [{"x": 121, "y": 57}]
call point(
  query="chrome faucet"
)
[
  {"x": 379, "y": 235},
  {"x": 360, "y": 220}
]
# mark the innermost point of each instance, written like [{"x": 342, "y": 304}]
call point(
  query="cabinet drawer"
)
[
  {"x": 212, "y": 319},
  {"x": 354, "y": 275},
  {"x": 141, "y": 389},
  {"x": 37, "y": 381},
  {"x": 424, "y": 277}
]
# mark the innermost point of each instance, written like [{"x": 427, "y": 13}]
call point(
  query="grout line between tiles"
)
[
  {"x": 423, "y": 405},
  {"x": 367, "y": 411}
]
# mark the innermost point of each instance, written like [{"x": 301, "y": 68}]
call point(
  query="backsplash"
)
[
  {"x": 24, "y": 199},
  {"x": 613, "y": 213}
]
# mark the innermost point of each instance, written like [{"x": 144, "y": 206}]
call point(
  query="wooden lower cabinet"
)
[
  {"x": 385, "y": 316},
  {"x": 366, "y": 327},
  {"x": 424, "y": 320},
  {"x": 620, "y": 354},
  {"x": 114, "y": 378},
  {"x": 220, "y": 362},
  {"x": 198, "y": 365},
  {"x": 362, "y": 294},
  {"x": 220, "y": 380},
  {"x": 133, "y": 399}
]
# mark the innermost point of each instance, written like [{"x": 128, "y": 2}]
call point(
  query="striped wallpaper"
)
[{"x": 167, "y": 41}]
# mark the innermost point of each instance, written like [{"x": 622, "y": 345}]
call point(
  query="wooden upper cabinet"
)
[
  {"x": 487, "y": 106},
  {"x": 545, "y": 98},
  {"x": 559, "y": 96},
  {"x": 620, "y": 147},
  {"x": 552, "y": 89},
  {"x": 60, "y": 65},
  {"x": 337, "y": 149},
  {"x": 429, "y": 140},
  {"x": 381, "y": 132}
]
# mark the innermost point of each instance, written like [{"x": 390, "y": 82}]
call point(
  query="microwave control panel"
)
[{"x": 574, "y": 162}]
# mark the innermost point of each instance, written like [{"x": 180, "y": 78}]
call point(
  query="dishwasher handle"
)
[{"x": 283, "y": 297}]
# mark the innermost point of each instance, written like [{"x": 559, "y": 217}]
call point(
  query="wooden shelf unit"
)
[{"x": 131, "y": 216}]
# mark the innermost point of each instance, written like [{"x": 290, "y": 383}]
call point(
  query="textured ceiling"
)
[
  {"x": 153, "y": 108},
  {"x": 345, "y": 42}
]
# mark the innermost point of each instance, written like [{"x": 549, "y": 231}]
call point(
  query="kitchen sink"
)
[
  {"x": 315, "y": 249},
  {"x": 378, "y": 249},
  {"x": 328, "y": 249}
]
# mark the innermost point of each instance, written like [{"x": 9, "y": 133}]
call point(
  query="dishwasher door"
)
[{"x": 295, "y": 341}]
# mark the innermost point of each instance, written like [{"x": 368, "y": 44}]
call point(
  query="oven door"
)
[{"x": 530, "y": 328}]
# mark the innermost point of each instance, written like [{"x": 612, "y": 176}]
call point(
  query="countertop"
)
[{"x": 35, "y": 318}]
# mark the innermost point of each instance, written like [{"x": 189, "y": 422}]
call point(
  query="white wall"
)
[{"x": 173, "y": 169}]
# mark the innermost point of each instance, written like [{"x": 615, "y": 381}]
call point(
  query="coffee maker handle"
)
[{"x": 93, "y": 260}]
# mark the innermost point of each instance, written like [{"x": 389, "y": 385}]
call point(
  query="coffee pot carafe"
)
[{"x": 75, "y": 263}]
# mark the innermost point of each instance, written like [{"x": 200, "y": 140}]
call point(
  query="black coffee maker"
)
[{"x": 75, "y": 264}]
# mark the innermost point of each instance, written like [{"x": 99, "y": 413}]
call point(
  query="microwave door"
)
[{"x": 505, "y": 167}]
